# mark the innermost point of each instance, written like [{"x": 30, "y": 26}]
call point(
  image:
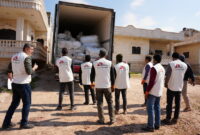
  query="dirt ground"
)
[{"x": 82, "y": 121}]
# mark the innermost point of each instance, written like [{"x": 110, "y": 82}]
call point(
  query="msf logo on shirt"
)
[
  {"x": 86, "y": 67},
  {"x": 178, "y": 67},
  {"x": 102, "y": 65},
  {"x": 122, "y": 68},
  {"x": 16, "y": 60},
  {"x": 61, "y": 62}
]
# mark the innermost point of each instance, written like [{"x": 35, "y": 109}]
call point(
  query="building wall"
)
[
  {"x": 194, "y": 55},
  {"x": 124, "y": 46},
  {"x": 4, "y": 62},
  {"x": 8, "y": 24},
  {"x": 164, "y": 46}
]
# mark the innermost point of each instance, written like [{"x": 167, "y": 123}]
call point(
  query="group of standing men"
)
[
  {"x": 106, "y": 79},
  {"x": 175, "y": 79}
]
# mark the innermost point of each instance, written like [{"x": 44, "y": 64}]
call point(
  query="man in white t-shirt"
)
[
  {"x": 103, "y": 74},
  {"x": 121, "y": 83},
  {"x": 85, "y": 79},
  {"x": 154, "y": 93},
  {"x": 146, "y": 75},
  {"x": 66, "y": 77},
  {"x": 174, "y": 82}
]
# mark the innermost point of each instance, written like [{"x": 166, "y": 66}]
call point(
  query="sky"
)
[{"x": 168, "y": 15}]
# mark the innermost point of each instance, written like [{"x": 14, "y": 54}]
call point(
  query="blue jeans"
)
[
  {"x": 153, "y": 110},
  {"x": 20, "y": 91}
]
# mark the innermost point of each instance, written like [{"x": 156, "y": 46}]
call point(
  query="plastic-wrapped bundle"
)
[
  {"x": 62, "y": 36},
  {"x": 76, "y": 44},
  {"x": 80, "y": 56},
  {"x": 61, "y": 43},
  {"x": 75, "y": 61},
  {"x": 93, "y": 52},
  {"x": 89, "y": 39},
  {"x": 69, "y": 44},
  {"x": 95, "y": 44}
]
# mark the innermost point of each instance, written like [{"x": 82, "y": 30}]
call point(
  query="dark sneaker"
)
[
  {"x": 8, "y": 126},
  {"x": 157, "y": 127},
  {"x": 174, "y": 121},
  {"x": 125, "y": 112},
  {"x": 187, "y": 109},
  {"x": 143, "y": 105},
  {"x": 73, "y": 108},
  {"x": 111, "y": 122},
  {"x": 27, "y": 126},
  {"x": 59, "y": 108},
  {"x": 94, "y": 103},
  {"x": 85, "y": 103},
  {"x": 147, "y": 129},
  {"x": 116, "y": 112},
  {"x": 166, "y": 122},
  {"x": 100, "y": 122}
]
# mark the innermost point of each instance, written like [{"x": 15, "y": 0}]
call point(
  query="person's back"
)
[
  {"x": 66, "y": 78},
  {"x": 178, "y": 69},
  {"x": 159, "y": 80},
  {"x": 65, "y": 72},
  {"x": 20, "y": 75},
  {"x": 122, "y": 76},
  {"x": 102, "y": 73},
  {"x": 86, "y": 69}
]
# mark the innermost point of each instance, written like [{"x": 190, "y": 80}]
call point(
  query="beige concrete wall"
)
[
  {"x": 193, "y": 49},
  {"x": 124, "y": 46},
  {"x": 4, "y": 62},
  {"x": 164, "y": 46},
  {"x": 194, "y": 55},
  {"x": 7, "y": 24}
]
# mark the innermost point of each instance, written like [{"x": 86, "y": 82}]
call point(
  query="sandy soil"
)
[{"x": 82, "y": 121}]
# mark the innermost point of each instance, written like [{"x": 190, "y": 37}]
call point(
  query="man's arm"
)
[
  {"x": 28, "y": 65},
  {"x": 112, "y": 76},
  {"x": 72, "y": 67},
  {"x": 80, "y": 76},
  {"x": 9, "y": 71},
  {"x": 115, "y": 73},
  {"x": 93, "y": 74},
  {"x": 168, "y": 74},
  {"x": 191, "y": 74},
  {"x": 147, "y": 69},
  {"x": 153, "y": 74}
]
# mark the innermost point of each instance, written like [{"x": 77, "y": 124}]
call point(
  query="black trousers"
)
[
  {"x": 170, "y": 96},
  {"x": 86, "y": 89},
  {"x": 70, "y": 86},
  {"x": 117, "y": 99}
]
